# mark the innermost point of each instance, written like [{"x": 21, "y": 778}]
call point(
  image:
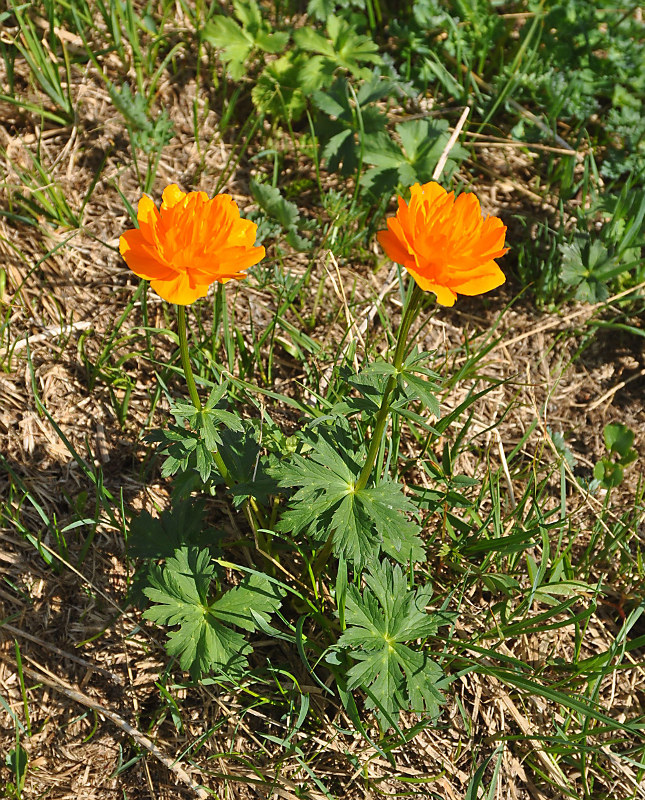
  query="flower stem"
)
[
  {"x": 252, "y": 511},
  {"x": 410, "y": 312},
  {"x": 192, "y": 388},
  {"x": 185, "y": 358}
]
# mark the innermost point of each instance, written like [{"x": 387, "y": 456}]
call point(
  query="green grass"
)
[{"x": 315, "y": 116}]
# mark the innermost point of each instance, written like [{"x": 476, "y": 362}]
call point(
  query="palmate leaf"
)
[
  {"x": 326, "y": 502},
  {"x": 236, "y": 42},
  {"x": 321, "y": 9},
  {"x": 387, "y": 506},
  {"x": 379, "y": 623},
  {"x": 204, "y": 642},
  {"x": 157, "y": 538},
  {"x": 422, "y": 143},
  {"x": 213, "y": 413},
  {"x": 193, "y": 449},
  {"x": 415, "y": 382},
  {"x": 338, "y": 125},
  {"x": 179, "y": 445},
  {"x": 247, "y": 470},
  {"x": 278, "y": 90},
  {"x": 255, "y": 597},
  {"x": 343, "y": 48},
  {"x": 588, "y": 266}
]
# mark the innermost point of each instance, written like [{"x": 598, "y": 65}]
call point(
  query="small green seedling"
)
[{"x": 619, "y": 440}]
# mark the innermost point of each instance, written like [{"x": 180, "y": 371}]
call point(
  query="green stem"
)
[
  {"x": 251, "y": 512},
  {"x": 323, "y": 557},
  {"x": 409, "y": 314},
  {"x": 192, "y": 388},
  {"x": 185, "y": 358}
]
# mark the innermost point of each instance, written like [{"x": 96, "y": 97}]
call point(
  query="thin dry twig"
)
[
  {"x": 450, "y": 144},
  {"x": 5, "y": 626},
  {"x": 52, "y": 330},
  {"x": 553, "y": 323},
  {"x": 611, "y": 392},
  {"x": 43, "y": 675}
]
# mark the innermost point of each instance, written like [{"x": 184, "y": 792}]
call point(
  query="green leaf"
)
[
  {"x": 370, "y": 382},
  {"x": 561, "y": 447},
  {"x": 180, "y": 445},
  {"x": 233, "y": 42},
  {"x": 133, "y": 107},
  {"x": 387, "y": 506},
  {"x": 204, "y": 460},
  {"x": 274, "y": 204},
  {"x": 620, "y": 440},
  {"x": 320, "y": 9},
  {"x": 193, "y": 449},
  {"x": 420, "y": 381},
  {"x": 588, "y": 266},
  {"x": 180, "y": 596},
  {"x": 326, "y": 475},
  {"x": 255, "y": 597},
  {"x": 379, "y": 623},
  {"x": 423, "y": 389},
  {"x": 180, "y": 525},
  {"x": 315, "y": 72},
  {"x": 383, "y": 152},
  {"x": 326, "y": 503},
  {"x": 340, "y": 148},
  {"x": 415, "y": 380},
  {"x": 272, "y": 42},
  {"x": 236, "y": 42},
  {"x": 249, "y": 14},
  {"x": 609, "y": 473},
  {"x": 246, "y": 468},
  {"x": 334, "y": 102},
  {"x": 298, "y": 242},
  {"x": 351, "y": 48},
  {"x": 16, "y": 761},
  {"x": 278, "y": 90},
  {"x": 339, "y": 125},
  {"x": 343, "y": 48},
  {"x": 313, "y": 42},
  {"x": 185, "y": 580},
  {"x": 423, "y": 142}
]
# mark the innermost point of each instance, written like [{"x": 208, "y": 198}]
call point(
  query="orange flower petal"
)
[
  {"x": 392, "y": 245},
  {"x": 141, "y": 257},
  {"x": 172, "y": 195},
  {"x": 178, "y": 290},
  {"x": 488, "y": 277},
  {"x": 445, "y": 296},
  {"x": 189, "y": 243},
  {"x": 148, "y": 217},
  {"x": 445, "y": 243}
]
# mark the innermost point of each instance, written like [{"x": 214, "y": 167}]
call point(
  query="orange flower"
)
[
  {"x": 189, "y": 244},
  {"x": 445, "y": 244}
]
